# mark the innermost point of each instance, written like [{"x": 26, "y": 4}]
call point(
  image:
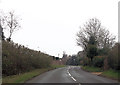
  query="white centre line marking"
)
[{"x": 71, "y": 76}]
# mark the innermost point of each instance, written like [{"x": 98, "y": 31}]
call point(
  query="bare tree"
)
[
  {"x": 94, "y": 28},
  {"x": 105, "y": 39},
  {"x": 11, "y": 22}
]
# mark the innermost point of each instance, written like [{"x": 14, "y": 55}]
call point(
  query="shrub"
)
[
  {"x": 18, "y": 59},
  {"x": 86, "y": 61},
  {"x": 114, "y": 57},
  {"x": 98, "y": 61}
]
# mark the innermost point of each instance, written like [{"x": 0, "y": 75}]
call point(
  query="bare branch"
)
[
  {"x": 11, "y": 23},
  {"x": 94, "y": 28}
]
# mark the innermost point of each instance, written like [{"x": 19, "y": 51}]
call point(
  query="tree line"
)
[{"x": 99, "y": 46}]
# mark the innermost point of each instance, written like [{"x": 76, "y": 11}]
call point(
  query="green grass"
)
[
  {"x": 28, "y": 75},
  {"x": 58, "y": 66},
  {"x": 111, "y": 74},
  {"x": 108, "y": 73},
  {"x": 92, "y": 69},
  {"x": 23, "y": 77}
]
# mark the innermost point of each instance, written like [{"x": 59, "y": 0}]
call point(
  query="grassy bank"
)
[
  {"x": 58, "y": 66},
  {"x": 109, "y": 73},
  {"x": 28, "y": 75},
  {"x": 91, "y": 69}
]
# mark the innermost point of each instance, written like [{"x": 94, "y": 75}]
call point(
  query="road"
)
[{"x": 70, "y": 74}]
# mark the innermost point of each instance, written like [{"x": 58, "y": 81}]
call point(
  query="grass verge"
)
[
  {"x": 21, "y": 78},
  {"x": 111, "y": 74},
  {"x": 58, "y": 66},
  {"x": 92, "y": 69}
]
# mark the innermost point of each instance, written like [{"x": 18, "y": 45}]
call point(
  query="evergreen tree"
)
[{"x": 91, "y": 48}]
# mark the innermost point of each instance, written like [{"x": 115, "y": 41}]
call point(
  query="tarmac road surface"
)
[{"x": 70, "y": 74}]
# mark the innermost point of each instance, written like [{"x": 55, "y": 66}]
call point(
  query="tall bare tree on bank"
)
[
  {"x": 93, "y": 27},
  {"x": 12, "y": 23}
]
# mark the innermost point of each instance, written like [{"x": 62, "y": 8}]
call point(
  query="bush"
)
[
  {"x": 114, "y": 57},
  {"x": 98, "y": 61},
  {"x": 86, "y": 61}
]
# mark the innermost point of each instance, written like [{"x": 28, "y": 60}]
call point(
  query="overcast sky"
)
[{"x": 51, "y": 25}]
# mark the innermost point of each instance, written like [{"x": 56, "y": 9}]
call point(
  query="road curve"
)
[{"x": 69, "y": 74}]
